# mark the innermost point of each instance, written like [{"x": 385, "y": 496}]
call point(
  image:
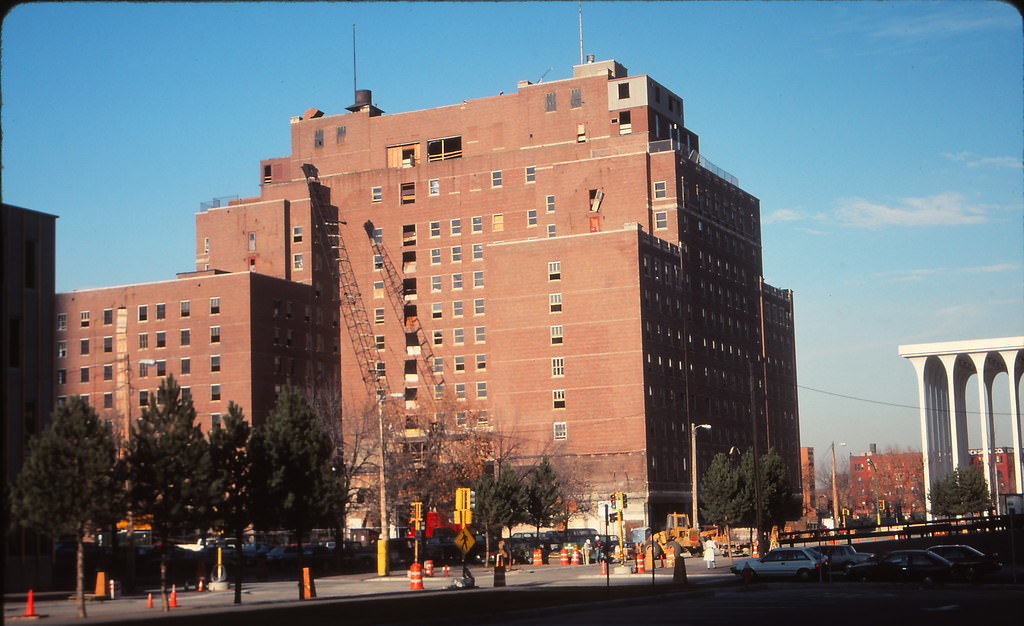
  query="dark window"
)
[
  {"x": 444, "y": 149},
  {"x": 339, "y": 135},
  {"x": 575, "y": 98},
  {"x": 30, "y": 264},
  {"x": 408, "y": 193},
  {"x": 550, "y": 101},
  {"x": 108, "y": 317},
  {"x": 15, "y": 343},
  {"x": 623, "y": 91},
  {"x": 318, "y": 138}
]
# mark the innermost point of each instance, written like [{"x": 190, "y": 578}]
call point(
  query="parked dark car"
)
[
  {"x": 905, "y": 565},
  {"x": 969, "y": 563},
  {"x": 843, "y": 556}
]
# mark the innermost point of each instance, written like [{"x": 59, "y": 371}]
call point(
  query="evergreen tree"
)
[
  {"x": 67, "y": 485},
  {"x": 720, "y": 493},
  {"x": 231, "y": 476},
  {"x": 542, "y": 495},
  {"x": 499, "y": 502},
  {"x": 963, "y": 491},
  {"x": 775, "y": 489},
  {"x": 291, "y": 457},
  {"x": 168, "y": 465}
]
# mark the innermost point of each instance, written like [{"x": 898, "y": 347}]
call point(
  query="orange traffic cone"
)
[
  {"x": 149, "y": 601},
  {"x": 30, "y": 605},
  {"x": 174, "y": 597}
]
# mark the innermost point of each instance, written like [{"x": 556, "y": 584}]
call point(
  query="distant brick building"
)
[
  {"x": 562, "y": 261},
  {"x": 891, "y": 484},
  {"x": 1002, "y": 469}
]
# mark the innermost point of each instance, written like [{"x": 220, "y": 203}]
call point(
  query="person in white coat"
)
[{"x": 709, "y": 553}]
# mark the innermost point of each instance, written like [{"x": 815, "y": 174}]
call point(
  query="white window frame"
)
[{"x": 559, "y": 431}]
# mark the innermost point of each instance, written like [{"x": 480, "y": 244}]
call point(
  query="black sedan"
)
[
  {"x": 968, "y": 563},
  {"x": 905, "y": 565}
]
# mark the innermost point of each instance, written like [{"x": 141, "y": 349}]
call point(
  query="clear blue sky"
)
[{"x": 884, "y": 140}]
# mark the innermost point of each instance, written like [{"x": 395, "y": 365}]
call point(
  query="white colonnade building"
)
[{"x": 943, "y": 371}]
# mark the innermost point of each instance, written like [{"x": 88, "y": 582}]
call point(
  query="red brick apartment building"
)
[
  {"x": 891, "y": 483},
  {"x": 561, "y": 259},
  {"x": 1002, "y": 468}
]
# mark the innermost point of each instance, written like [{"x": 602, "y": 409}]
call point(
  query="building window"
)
[
  {"x": 457, "y": 308},
  {"x": 480, "y": 334},
  {"x": 497, "y": 222},
  {"x": 297, "y": 261},
  {"x": 435, "y": 311},
  {"x": 623, "y": 91},
  {"x": 660, "y": 189},
  {"x": 62, "y": 321},
  {"x": 252, "y": 241},
  {"x": 108, "y": 317},
  {"x": 460, "y": 363},
  {"x": 438, "y": 391},
  {"x": 186, "y": 365},
  {"x": 108, "y": 400},
  {"x": 456, "y": 254},
  {"x": 62, "y": 377},
  {"x": 83, "y": 318},
  {"x": 296, "y": 234},
  {"x": 185, "y": 337},
  {"x": 551, "y": 230},
  {"x": 558, "y": 366},
  {"x": 143, "y": 312},
  {"x": 555, "y": 302},
  {"x": 408, "y": 191},
  {"x": 478, "y": 279},
  {"x": 376, "y": 194},
  {"x": 186, "y": 394},
  {"x": 206, "y": 245},
  {"x": 438, "y": 365},
  {"x": 108, "y": 344},
  {"x": 478, "y": 251},
  {"x": 434, "y": 186},
  {"x": 478, "y": 224},
  {"x": 531, "y": 173},
  {"x": 457, "y": 281},
  {"x": 478, "y": 306},
  {"x": 559, "y": 430},
  {"x": 444, "y": 148},
  {"x": 339, "y": 135},
  {"x": 460, "y": 391},
  {"x": 550, "y": 102},
  {"x": 625, "y": 122},
  {"x": 661, "y": 220},
  {"x": 496, "y": 179},
  {"x": 435, "y": 284},
  {"x": 558, "y": 399},
  {"x": 186, "y": 308},
  {"x": 143, "y": 340},
  {"x": 456, "y": 225},
  {"x": 161, "y": 368},
  {"x": 214, "y": 306},
  {"x": 435, "y": 256},
  {"x": 215, "y": 363},
  {"x": 481, "y": 362},
  {"x": 62, "y": 349},
  {"x": 214, "y": 392},
  {"x": 481, "y": 390},
  {"x": 161, "y": 339},
  {"x": 378, "y": 316},
  {"x": 378, "y": 342},
  {"x": 435, "y": 229},
  {"x": 215, "y": 334},
  {"x": 575, "y": 98},
  {"x": 378, "y": 262},
  {"x": 458, "y": 336},
  {"x": 531, "y": 217},
  {"x": 438, "y": 337},
  {"x": 554, "y": 270},
  {"x": 108, "y": 372},
  {"x": 318, "y": 138},
  {"x": 143, "y": 397},
  {"x": 549, "y": 202},
  {"x": 556, "y": 334},
  {"x": 83, "y": 346},
  {"x": 83, "y": 374}
]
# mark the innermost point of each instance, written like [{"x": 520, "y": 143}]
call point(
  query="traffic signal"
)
[
  {"x": 416, "y": 515},
  {"x": 614, "y": 517},
  {"x": 462, "y": 498},
  {"x": 472, "y": 500},
  {"x": 624, "y": 500},
  {"x": 615, "y": 501},
  {"x": 881, "y": 505}
]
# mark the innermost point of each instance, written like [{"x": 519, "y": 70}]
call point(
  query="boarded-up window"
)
[{"x": 444, "y": 149}]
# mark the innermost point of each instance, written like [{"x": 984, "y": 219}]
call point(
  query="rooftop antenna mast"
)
[
  {"x": 581, "y": 31},
  {"x": 355, "y": 86}
]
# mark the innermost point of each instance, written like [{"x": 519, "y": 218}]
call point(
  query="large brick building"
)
[{"x": 561, "y": 259}]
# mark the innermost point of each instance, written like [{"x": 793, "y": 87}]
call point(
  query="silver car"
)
[{"x": 800, "y": 563}]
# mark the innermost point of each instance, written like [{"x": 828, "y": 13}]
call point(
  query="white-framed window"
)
[
  {"x": 296, "y": 234},
  {"x": 460, "y": 363},
  {"x": 457, "y": 308},
  {"x": 438, "y": 337},
  {"x": 143, "y": 314},
  {"x": 481, "y": 362},
  {"x": 496, "y": 179},
  {"x": 438, "y": 391},
  {"x": 477, "y": 224},
  {"x": 438, "y": 364},
  {"x": 62, "y": 377},
  {"x": 478, "y": 306},
  {"x": 478, "y": 251},
  {"x": 549, "y": 204},
  {"x": 161, "y": 368},
  {"x": 435, "y": 229},
  {"x": 660, "y": 220},
  {"x": 377, "y": 235},
  {"x": 456, "y": 254},
  {"x": 436, "y": 311},
  {"x": 215, "y": 334},
  {"x": 459, "y": 336},
  {"x": 531, "y": 174},
  {"x": 83, "y": 374},
  {"x": 83, "y": 318},
  {"x": 558, "y": 399},
  {"x": 554, "y": 270},
  {"x": 214, "y": 392},
  {"x": 435, "y": 284},
  {"x": 555, "y": 302},
  {"x": 481, "y": 389},
  {"x": 478, "y": 279},
  {"x": 559, "y": 431},
  {"x": 435, "y": 256},
  {"x": 62, "y": 349},
  {"x": 108, "y": 343},
  {"x": 83, "y": 346},
  {"x": 378, "y": 316},
  {"x": 456, "y": 226},
  {"x": 558, "y": 366},
  {"x": 161, "y": 339},
  {"x": 185, "y": 308},
  {"x": 378, "y": 289},
  {"x": 378, "y": 342},
  {"x": 460, "y": 391},
  {"x": 497, "y": 222},
  {"x": 108, "y": 372},
  {"x": 660, "y": 189},
  {"x": 376, "y": 194},
  {"x": 252, "y": 241},
  {"x": 108, "y": 317},
  {"x": 62, "y": 321},
  {"x": 551, "y": 230},
  {"x": 434, "y": 186},
  {"x": 214, "y": 306},
  {"x": 457, "y": 281},
  {"x": 161, "y": 311},
  {"x": 185, "y": 337},
  {"x": 143, "y": 340},
  {"x": 297, "y": 261},
  {"x": 531, "y": 217},
  {"x": 215, "y": 363},
  {"x": 556, "y": 334}
]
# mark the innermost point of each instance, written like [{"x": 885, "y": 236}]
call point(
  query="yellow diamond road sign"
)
[{"x": 465, "y": 541}]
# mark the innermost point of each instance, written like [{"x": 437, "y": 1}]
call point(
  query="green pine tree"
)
[
  {"x": 720, "y": 493},
  {"x": 231, "y": 475},
  {"x": 963, "y": 491},
  {"x": 542, "y": 496},
  {"x": 68, "y": 485}
]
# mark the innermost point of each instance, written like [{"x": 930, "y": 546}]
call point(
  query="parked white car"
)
[{"x": 799, "y": 563}]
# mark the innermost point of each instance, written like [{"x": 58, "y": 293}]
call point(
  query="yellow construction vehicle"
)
[{"x": 677, "y": 530}]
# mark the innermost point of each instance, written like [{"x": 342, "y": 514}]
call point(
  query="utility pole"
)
[
  {"x": 693, "y": 470},
  {"x": 757, "y": 459},
  {"x": 835, "y": 499}
]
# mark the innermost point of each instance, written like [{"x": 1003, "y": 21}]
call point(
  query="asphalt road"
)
[{"x": 560, "y": 595}]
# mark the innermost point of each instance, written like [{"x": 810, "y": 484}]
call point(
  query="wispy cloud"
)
[
  {"x": 944, "y": 209},
  {"x": 970, "y": 159},
  {"x": 913, "y": 275},
  {"x": 781, "y": 215},
  {"x": 935, "y": 24}
]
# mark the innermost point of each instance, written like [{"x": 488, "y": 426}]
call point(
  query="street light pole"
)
[
  {"x": 693, "y": 469},
  {"x": 382, "y": 539},
  {"x": 835, "y": 498}
]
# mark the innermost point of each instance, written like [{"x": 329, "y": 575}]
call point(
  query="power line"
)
[{"x": 870, "y": 401}]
